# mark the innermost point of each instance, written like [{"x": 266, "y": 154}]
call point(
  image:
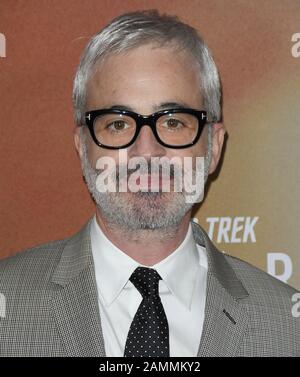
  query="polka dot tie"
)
[{"x": 148, "y": 335}]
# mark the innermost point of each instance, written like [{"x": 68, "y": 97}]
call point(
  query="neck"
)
[{"x": 145, "y": 246}]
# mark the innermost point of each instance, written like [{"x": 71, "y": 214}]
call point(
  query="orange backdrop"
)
[{"x": 252, "y": 209}]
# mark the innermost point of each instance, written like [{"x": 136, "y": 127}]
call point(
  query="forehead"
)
[{"x": 145, "y": 76}]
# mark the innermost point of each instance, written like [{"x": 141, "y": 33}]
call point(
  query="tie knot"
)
[{"x": 146, "y": 281}]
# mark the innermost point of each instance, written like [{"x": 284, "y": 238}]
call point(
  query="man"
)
[{"x": 140, "y": 278}]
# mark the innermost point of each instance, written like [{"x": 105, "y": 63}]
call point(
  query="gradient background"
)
[{"x": 43, "y": 196}]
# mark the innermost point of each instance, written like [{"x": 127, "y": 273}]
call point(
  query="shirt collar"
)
[{"x": 113, "y": 267}]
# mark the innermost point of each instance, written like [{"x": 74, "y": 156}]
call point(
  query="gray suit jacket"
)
[{"x": 52, "y": 308}]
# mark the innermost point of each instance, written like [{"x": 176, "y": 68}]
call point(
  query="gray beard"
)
[{"x": 129, "y": 212}]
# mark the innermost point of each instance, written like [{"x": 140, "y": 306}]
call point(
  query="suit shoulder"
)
[
  {"x": 258, "y": 281},
  {"x": 38, "y": 260}
]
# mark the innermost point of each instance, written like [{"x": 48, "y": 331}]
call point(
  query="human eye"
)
[
  {"x": 118, "y": 125},
  {"x": 173, "y": 123}
]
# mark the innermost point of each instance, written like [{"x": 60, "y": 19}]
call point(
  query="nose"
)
[{"x": 146, "y": 145}]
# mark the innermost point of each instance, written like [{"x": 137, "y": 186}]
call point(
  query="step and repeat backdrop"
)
[{"x": 251, "y": 209}]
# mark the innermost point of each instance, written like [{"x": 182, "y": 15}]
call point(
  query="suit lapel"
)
[
  {"x": 225, "y": 318},
  {"x": 225, "y": 322},
  {"x": 75, "y": 301}
]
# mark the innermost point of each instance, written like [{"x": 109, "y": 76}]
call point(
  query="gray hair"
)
[{"x": 139, "y": 28}]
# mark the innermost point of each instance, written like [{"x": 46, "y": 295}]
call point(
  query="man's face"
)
[{"x": 145, "y": 80}]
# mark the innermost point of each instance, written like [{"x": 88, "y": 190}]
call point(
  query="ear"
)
[
  {"x": 78, "y": 140},
  {"x": 218, "y": 134}
]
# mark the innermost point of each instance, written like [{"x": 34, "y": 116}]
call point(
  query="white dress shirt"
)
[{"x": 182, "y": 291}]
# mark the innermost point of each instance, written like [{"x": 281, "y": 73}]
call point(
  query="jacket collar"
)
[
  {"x": 76, "y": 310},
  {"x": 77, "y": 256},
  {"x": 218, "y": 265},
  {"x": 75, "y": 300},
  {"x": 225, "y": 319}
]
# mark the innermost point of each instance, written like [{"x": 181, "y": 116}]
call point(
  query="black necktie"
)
[{"x": 148, "y": 335}]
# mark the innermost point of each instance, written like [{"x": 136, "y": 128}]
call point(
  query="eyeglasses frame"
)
[{"x": 146, "y": 120}]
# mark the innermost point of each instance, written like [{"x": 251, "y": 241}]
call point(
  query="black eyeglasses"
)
[{"x": 172, "y": 128}]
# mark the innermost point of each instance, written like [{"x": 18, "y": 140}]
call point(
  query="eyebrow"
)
[{"x": 158, "y": 107}]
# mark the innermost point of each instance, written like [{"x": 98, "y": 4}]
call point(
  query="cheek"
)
[
  {"x": 92, "y": 152},
  {"x": 201, "y": 146},
  {"x": 199, "y": 149},
  {"x": 95, "y": 153}
]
